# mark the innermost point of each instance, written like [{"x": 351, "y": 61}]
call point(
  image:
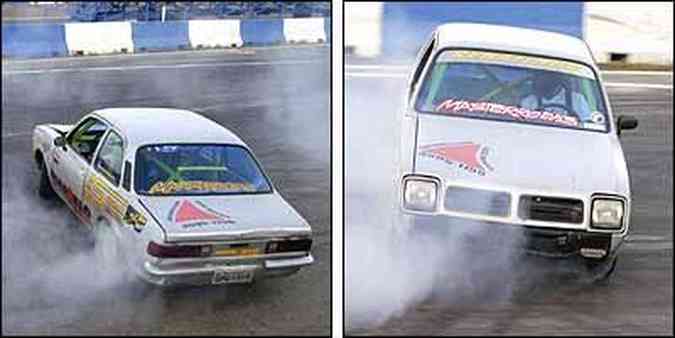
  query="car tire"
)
[{"x": 45, "y": 189}]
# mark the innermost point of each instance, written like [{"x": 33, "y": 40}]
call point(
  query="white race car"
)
[
  {"x": 181, "y": 198},
  {"x": 509, "y": 129}
]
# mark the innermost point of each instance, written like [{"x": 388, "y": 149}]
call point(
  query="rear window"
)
[{"x": 180, "y": 169}]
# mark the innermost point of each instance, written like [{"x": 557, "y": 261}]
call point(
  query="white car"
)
[
  {"x": 181, "y": 198},
  {"x": 509, "y": 129}
]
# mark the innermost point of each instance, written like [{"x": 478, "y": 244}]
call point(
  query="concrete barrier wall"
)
[
  {"x": 33, "y": 40},
  {"x": 84, "y": 38},
  {"x": 405, "y": 26},
  {"x": 304, "y": 30},
  {"x": 152, "y": 35},
  {"x": 262, "y": 31},
  {"x": 215, "y": 33},
  {"x": 363, "y": 28},
  {"x": 48, "y": 40},
  {"x": 630, "y": 32},
  {"x": 633, "y": 32}
]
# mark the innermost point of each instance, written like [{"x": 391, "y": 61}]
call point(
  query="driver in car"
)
[{"x": 551, "y": 94}]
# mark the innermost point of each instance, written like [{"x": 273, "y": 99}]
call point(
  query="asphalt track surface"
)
[
  {"x": 639, "y": 297},
  {"x": 276, "y": 99}
]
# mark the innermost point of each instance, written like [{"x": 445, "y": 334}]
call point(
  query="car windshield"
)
[
  {"x": 510, "y": 87},
  {"x": 190, "y": 169}
]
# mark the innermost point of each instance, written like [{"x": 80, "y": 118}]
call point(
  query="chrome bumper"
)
[{"x": 201, "y": 272}]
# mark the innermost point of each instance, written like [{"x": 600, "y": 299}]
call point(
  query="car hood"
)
[
  {"x": 514, "y": 156},
  {"x": 225, "y": 217}
]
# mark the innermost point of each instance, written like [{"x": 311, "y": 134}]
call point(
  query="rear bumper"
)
[
  {"x": 545, "y": 242},
  {"x": 201, "y": 273}
]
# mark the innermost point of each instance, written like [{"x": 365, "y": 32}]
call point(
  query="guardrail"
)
[{"x": 94, "y": 38}]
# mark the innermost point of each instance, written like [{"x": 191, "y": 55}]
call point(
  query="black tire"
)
[{"x": 45, "y": 189}]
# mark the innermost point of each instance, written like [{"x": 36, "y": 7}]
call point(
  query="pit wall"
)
[{"x": 97, "y": 38}]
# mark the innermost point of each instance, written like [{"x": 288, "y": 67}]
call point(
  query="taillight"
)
[
  {"x": 177, "y": 251},
  {"x": 289, "y": 245}
]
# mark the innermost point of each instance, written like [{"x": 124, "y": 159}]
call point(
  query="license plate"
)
[
  {"x": 221, "y": 276},
  {"x": 245, "y": 251}
]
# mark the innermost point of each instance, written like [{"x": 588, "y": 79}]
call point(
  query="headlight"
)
[
  {"x": 607, "y": 214},
  {"x": 420, "y": 194}
]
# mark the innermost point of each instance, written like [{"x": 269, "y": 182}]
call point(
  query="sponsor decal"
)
[
  {"x": 135, "y": 219},
  {"x": 171, "y": 187},
  {"x": 598, "y": 117},
  {"x": 468, "y": 156},
  {"x": 80, "y": 209},
  {"x": 453, "y": 106},
  {"x": 197, "y": 214},
  {"x": 105, "y": 199}
]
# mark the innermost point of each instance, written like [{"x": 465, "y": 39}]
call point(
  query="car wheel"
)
[{"x": 45, "y": 189}]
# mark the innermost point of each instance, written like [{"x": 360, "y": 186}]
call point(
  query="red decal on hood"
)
[{"x": 467, "y": 155}]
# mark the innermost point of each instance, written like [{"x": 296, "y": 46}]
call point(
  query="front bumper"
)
[
  {"x": 201, "y": 272},
  {"x": 546, "y": 242}
]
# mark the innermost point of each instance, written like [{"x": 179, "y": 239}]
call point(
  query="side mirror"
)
[
  {"x": 625, "y": 122},
  {"x": 60, "y": 141}
]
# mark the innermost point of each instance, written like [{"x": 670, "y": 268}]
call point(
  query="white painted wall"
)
[
  {"x": 215, "y": 33},
  {"x": 363, "y": 27},
  {"x": 642, "y": 30},
  {"x": 98, "y": 37},
  {"x": 304, "y": 30}
]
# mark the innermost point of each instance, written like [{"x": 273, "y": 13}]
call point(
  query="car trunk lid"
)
[{"x": 226, "y": 217}]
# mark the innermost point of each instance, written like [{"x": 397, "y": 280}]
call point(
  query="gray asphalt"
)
[
  {"x": 276, "y": 99},
  {"x": 637, "y": 300}
]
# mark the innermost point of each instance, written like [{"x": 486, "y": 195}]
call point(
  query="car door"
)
[
  {"x": 102, "y": 189},
  {"x": 70, "y": 164}
]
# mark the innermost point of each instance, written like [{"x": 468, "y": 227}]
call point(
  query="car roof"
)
[
  {"x": 514, "y": 39},
  {"x": 162, "y": 125}
]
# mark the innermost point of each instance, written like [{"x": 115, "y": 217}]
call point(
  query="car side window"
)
[
  {"x": 109, "y": 158},
  {"x": 420, "y": 65},
  {"x": 85, "y": 138}
]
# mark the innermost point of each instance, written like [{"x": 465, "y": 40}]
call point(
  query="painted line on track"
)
[
  {"x": 638, "y": 85},
  {"x": 365, "y": 74},
  {"x": 19, "y": 134},
  {"x": 164, "y": 66},
  {"x": 247, "y": 50}
]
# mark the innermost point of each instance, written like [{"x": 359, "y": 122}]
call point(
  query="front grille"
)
[
  {"x": 478, "y": 201},
  {"x": 551, "y": 209}
]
